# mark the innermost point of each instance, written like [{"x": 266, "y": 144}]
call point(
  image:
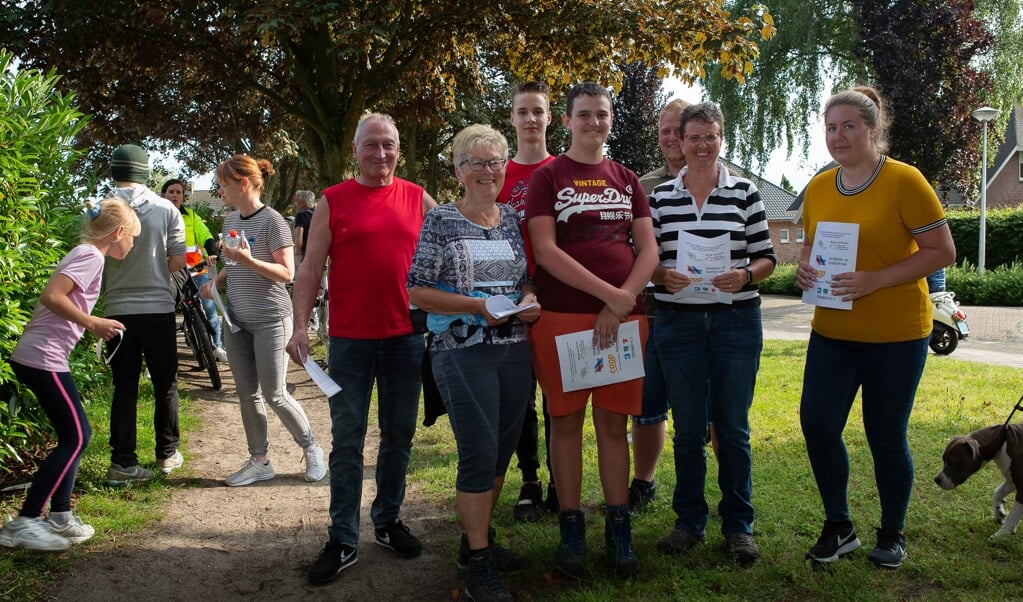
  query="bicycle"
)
[
  {"x": 198, "y": 332},
  {"x": 320, "y": 312}
]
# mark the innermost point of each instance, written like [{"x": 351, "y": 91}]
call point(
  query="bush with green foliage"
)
[
  {"x": 1004, "y": 239},
  {"x": 40, "y": 216},
  {"x": 782, "y": 281},
  {"x": 1002, "y": 286}
]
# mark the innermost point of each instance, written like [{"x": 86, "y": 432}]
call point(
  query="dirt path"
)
[{"x": 256, "y": 543}]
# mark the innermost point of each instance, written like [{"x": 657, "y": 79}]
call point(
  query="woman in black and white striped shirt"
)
[
  {"x": 714, "y": 246},
  {"x": 260, "y": 309}
]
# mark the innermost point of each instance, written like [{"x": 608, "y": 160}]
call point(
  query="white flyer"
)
[
  {"x": 219, "y": 302},
  {"x": 833, "y": 252},
  {"x": 321, "y": 378},
  {"x": 583, "y": 366},
  {"x": 701, "y": 259},
  {"x": 500, "y": 306}
]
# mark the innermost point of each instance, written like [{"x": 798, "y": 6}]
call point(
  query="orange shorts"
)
[{"x": 621, "y": 398}]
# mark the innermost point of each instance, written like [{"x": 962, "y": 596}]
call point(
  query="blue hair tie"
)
[{"x": 94, "y": 210}]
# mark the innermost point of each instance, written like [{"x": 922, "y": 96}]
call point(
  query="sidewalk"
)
[{"x": 996, "y": 333}]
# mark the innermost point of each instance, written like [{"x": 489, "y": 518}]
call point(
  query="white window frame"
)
[
  {"x": 783, "y": 236},
  {"x": 799, "y": 235}
]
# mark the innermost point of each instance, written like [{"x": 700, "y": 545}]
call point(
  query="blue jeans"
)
[
  {"x": 210, "y": 309},
  {"x": 710, "y": 360},
  {"x": 888, "y": 374},
  {"x": 395, "y": 365},
  {"x": 936, "y": 281},
  {"x": 485, "y": 390},
  {"x": 655, "y": 396}
]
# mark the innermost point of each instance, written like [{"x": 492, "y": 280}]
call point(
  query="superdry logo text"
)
[{"x": 610, "y": 202}]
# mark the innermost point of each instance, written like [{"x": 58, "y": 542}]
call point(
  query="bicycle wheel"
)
[
  {"x": 188, "y": 328},
  {"x": 321, "y": 326},
  {"x": 204, "y": 346}
]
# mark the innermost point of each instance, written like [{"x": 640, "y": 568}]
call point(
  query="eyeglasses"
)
[
  {"x": 697, "y": 138},
  {"x": 477, "y": 165}
]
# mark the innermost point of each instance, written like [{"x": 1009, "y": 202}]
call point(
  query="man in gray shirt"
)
[{"x": 137, "y": 291}]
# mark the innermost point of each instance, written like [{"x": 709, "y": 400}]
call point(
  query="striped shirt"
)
[
  {"x": 252, "y": 297},
  {"x": 733, "y": 208}
]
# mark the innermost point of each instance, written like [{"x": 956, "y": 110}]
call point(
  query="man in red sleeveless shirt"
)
[{"x": 368, "y": 227}]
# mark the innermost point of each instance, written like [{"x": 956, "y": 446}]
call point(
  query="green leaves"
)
[{"x": 39, "y": 210}]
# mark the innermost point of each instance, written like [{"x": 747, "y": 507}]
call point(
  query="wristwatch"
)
[{"x": 749, "y": 275}]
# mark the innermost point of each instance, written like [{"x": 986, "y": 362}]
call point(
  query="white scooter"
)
[{"x": 949, "y": 323}]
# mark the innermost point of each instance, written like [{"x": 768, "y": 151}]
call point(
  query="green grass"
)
[
  {"x": 116, "y": 513},
  {"x": 950, "y": 557}
]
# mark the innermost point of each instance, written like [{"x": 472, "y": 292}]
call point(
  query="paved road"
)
[{"x": 996, "y": 333}]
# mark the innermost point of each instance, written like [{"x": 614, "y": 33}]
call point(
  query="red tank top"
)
[{"x": 374, "y": 232}]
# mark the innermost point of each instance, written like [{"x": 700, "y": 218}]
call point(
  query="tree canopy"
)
[
  {"x": 637, "y": 106},
  {"x": 920, "y": 53},
  {"x": 222, "y": 76},
  {"x": 935, "y": 62}
]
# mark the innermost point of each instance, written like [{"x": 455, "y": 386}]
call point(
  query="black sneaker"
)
[
  {"x": 679, "y": 541},
  {"x": 334, "y": 558},
  {"x": 482, "y": 583},
  {"x": 527, "y": 508},
  {"x": 742, "y": 548},
  {"x": 837, "y": 539},
  {"x": 505, "y": 561},
  {"x": 552, "y": 499},
  {"x": 641, "y": 493},
  {"x": 397, "y": 538},
  {"x": 890, "y": 551}
]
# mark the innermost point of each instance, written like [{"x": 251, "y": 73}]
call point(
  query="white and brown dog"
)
[{"x": 965, "y": 455}]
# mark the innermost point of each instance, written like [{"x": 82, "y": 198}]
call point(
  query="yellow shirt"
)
[{"x": 890, "y": 207}]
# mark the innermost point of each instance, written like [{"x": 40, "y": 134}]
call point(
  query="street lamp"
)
[{"x": 983, "y": 115}]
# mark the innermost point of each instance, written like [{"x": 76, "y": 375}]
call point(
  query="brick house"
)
[
  {"x": 204, "y": 197},
  {"x": 786, "y": 236},
  {"x": 1005, "y": 174}
]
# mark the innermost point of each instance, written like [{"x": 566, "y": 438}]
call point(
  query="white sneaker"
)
[
  {"x": 221, "y": 355},
  {"x": 167, "y": 465},
  {"x": 32, "y": 534},
  {"x": 314, "y": 466},
  {"x": 253, "y": 470},
  {"x": 74, "y": 530}
]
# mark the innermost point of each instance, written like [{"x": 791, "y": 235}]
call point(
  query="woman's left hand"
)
[
  {"x": 605, "y": 330},
  {"x": 854, "y": 285},
  {"x": 528, "y": 316},
  {"x": 731, "y": 281}
]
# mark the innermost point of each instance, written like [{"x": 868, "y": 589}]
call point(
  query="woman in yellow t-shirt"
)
[{"x": 880, "y": 345}]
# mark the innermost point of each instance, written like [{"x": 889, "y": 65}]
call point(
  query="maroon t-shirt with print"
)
[{"x": 593, "y": 207}]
